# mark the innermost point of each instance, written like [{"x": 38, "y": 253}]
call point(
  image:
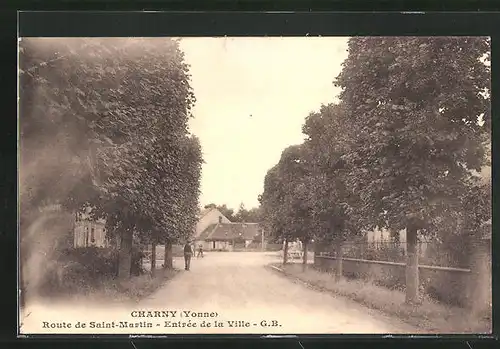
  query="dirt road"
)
[{"x": 234, "y": 291}]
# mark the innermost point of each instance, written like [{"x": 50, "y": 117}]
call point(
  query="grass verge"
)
[
  {"x": 111, "y": 290},
  {"x": 137, "y": 287},
  {"x": 430, "y": 316}
]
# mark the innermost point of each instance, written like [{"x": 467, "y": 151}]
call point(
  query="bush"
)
[
  {"x": 385, "y": 252},
  {"x": 79, "y": 270},
  {"x": 274, "y": 247},
  {"x": 101, "y": 261}
]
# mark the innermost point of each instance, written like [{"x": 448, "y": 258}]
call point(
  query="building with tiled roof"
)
[
  {"x": 207, "y": 217},
  {"x": 228, "y": 236}
]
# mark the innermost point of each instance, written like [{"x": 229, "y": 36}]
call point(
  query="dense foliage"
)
[
  {"x": 252, "y": 215},
  {"x": 414, "y": 105},
  {"x": 400, "y": 150},
  {"x": 114, "y": 113}
]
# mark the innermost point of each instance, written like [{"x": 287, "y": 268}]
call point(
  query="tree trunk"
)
[
  {"x": 304, "y": 257},
  {"x": 285, "y": 252},
  {"x": 153, "y": 258},
  {"x": 412, "y": 281},
  {"x": 338, "y": 259},
  {"x": 125, "y": 254},
  {"x": 168, "y": 256},
  {"x": 262, "y": 244}
]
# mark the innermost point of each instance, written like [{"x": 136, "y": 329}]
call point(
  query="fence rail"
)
[
  {"x": 455, "y": 286},
  {"x": 432, "y": 253},
  {"x": 423, "y": 266}
]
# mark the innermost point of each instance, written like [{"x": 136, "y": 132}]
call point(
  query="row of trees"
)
[
  {"x": 114, "y": 115},
  {"x": 252, "y": 215},
  {"x": 399, "y": 151}
]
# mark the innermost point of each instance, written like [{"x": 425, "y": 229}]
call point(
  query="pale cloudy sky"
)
[{"x": 253, "y": 95}]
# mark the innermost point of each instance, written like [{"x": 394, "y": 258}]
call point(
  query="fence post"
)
[
  {"x": 285, "y": 252},
  {"x": 153, "y": 258},
  {"x": 412, "y": 281},
  {"x": 480, "y": 282},
  {"x": 304, "y": 256},
  {"x": 338, "y": 259},
  {"x": 315, "y": 250},
  {"x": 262, "y": 247}
]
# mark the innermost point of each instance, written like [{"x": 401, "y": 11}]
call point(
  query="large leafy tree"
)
[
  {"x": 189, "y": 175},
  {"x": 285, "y": 203},
  {"x": 272, "y": 202},
  {"x": 242, "y": 215},
  {"x": 414, "y": 103},
  {"x": 226, "y": 211},
  {"x": 122, "y": 107},
  {"x": 333, "y": 203},
  {"x": 295, "y": 161},
  {"x": 252, "y": 215}
]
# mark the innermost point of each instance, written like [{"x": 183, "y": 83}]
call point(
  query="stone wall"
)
[{"x": 464, "y": 287}]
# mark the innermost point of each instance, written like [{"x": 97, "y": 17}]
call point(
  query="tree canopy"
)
[
  {"x": 401, "y": 149},
  {"x": 414, "y": 105},
  {"x": 333, "y": 202},
  {"x": 285, "y": 201},
  {"x": 252, "y": 215},
  {"x": 118, "y": 109}
]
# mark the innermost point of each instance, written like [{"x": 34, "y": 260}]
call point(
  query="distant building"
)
[
  {"x": 89, "y": 232},
  {"x": 228, "y": 236},
  {"x": 215, "y": 231}
]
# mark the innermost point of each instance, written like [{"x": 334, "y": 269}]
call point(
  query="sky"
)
[{"x": 253, "y": 95}]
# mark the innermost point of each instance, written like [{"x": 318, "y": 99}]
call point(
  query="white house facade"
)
[
  {"x": 209, "y": 217},
  {"x": 89, "y": 233}
]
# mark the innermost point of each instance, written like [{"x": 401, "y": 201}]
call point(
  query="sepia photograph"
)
[{"x": 254, "y": 185}]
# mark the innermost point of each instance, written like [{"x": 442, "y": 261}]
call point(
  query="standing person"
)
[
  {"x": 200, "y": 251},
  {"x": 188, "y": 252}
]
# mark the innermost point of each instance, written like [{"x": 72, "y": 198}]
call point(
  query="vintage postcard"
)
[{"x": 254, "y": 185}]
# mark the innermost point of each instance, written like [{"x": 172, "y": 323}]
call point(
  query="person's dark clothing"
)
[
  {"x": 200, "y": 251},
  {"x": 188, "y": 252}
]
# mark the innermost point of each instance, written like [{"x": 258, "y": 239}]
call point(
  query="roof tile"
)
[{"x": 231, "y": 231}]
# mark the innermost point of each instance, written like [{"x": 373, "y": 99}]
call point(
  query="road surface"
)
[{"x": 234, "y": 291}]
